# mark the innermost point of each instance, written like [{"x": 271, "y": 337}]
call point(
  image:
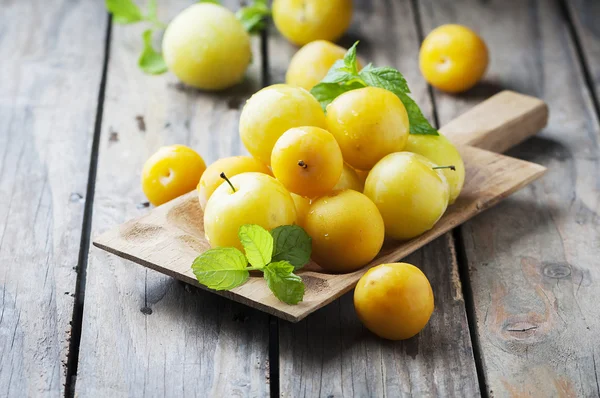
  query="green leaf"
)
[
  {"x": 253, "y": 16},
  {"x": 325, "y": 93},
  {"x": 258, "y": 244},
  {"x": 151, "y": 10},
  {"x": 291, "y": 244},
  {"x": 417, "y": 122},
  {"x": 343, "y": 70},
  {"x": 124, "y": 11},
  {"x": 151, "y": 61},
  {"x": 342, "y": 76},
  {"x": 338, "y": 73},
  {"x": 221, "y": 269},
  {"x": 210, "y": 1},
  {"x": 350, "y": 59},
  {"x": 286, "y": 286},
  {"x": 387, "y": 78}
]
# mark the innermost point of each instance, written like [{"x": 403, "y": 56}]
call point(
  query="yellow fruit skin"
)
[
  {"x": 349, "y": 180},
  {"x": 410, "y": 195},
  {"x": 231, "y": 166},
  {"x": 453, "y": 58},
  {"x": 441, "y": 152},
  {"x": 259, "y": 199},
  {"x": 312, "y": 62},
  {"x": 206, "y": 47},
  {"x": 303, "y": 21},
  {"x": 171, "y": 172},
  {"x": 307, "y": 160},
  {"x": 271, "y": 112},
  {"x": 368, "y": 123},
  {"x": 302, "y": 208},
  {"x": 394, "y": 301},
  {"x": 347, "y": 230}
]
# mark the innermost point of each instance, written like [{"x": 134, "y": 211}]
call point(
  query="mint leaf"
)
[
  {"x": 325, "y": 93},
  {"x": 222, "y": 268},
  {"x": 417, "y": 122},
  {"x": 124, "y": 11},
  {"x": 258, "y": 244},
  {"x": 151, "y": 10},
  {"x": 338, "y": 73},
  {"x": 291, "y": 244},
  {"x": 350, "y": 60},
  {"x": 253, "y": 16},
  {"x": 286, "y": 286},
  {"x": 387, "y": 78},
  {"x": 151, "y": 61},
  {"x": 342, "y": 76}
]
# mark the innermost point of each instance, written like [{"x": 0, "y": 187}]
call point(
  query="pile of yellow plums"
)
[
  {"x": 305, "y": 168},
  {"x": 351, "y": 176}
]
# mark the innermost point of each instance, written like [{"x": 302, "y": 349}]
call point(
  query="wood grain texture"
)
[
  {"x": 330, "y": 353},
  {"x": 145, "y": 334},
  {"x": 49, "y": 80},
  {"x": 533, "y": 260},
  {"x": 498, "y": 123}
]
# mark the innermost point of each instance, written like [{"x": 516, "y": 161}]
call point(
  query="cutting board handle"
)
[{"x": 499, "y": 123}]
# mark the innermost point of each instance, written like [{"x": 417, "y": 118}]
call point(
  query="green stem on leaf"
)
[
  {"x": 158, "y": 24},
  {"x": 223, "y": 176}
]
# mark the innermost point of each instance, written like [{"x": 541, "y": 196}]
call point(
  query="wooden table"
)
[{"x": 517, "y": 289}]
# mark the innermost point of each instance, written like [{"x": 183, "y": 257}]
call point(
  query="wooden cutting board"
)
[{"x": 168, "y": 238}]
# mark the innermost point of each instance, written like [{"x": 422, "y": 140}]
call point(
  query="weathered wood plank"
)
[
  {"x": 533, "y": 260},
  {"x": 585, "y": 15},
  {"x": 330, "y": 353},
  {"x": 145, "y": 334},
  {"x": 49, "y": 81}
]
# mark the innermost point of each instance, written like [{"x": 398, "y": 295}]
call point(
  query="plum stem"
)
[
  {"x": 302, "y": 164},
  {"x": 223, "y": 176},
  {"x": 451, "y": 167}
]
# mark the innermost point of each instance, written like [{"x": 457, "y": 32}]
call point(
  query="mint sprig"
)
[
  {"x": 151, "y": 61},
  {"x": 344, "y": 76},
  {"x": 277, "y": 254}
]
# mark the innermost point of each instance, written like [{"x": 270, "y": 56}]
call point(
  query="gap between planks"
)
[
  {"x": 467, "y": 292},
  {"x": 459, "y": 248},
  {"x": 273, "y": 355},
  {"x": 579, "y": 52},
  {"x": 421, "y": 36},
  {"x": 84, "y": 246}
]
